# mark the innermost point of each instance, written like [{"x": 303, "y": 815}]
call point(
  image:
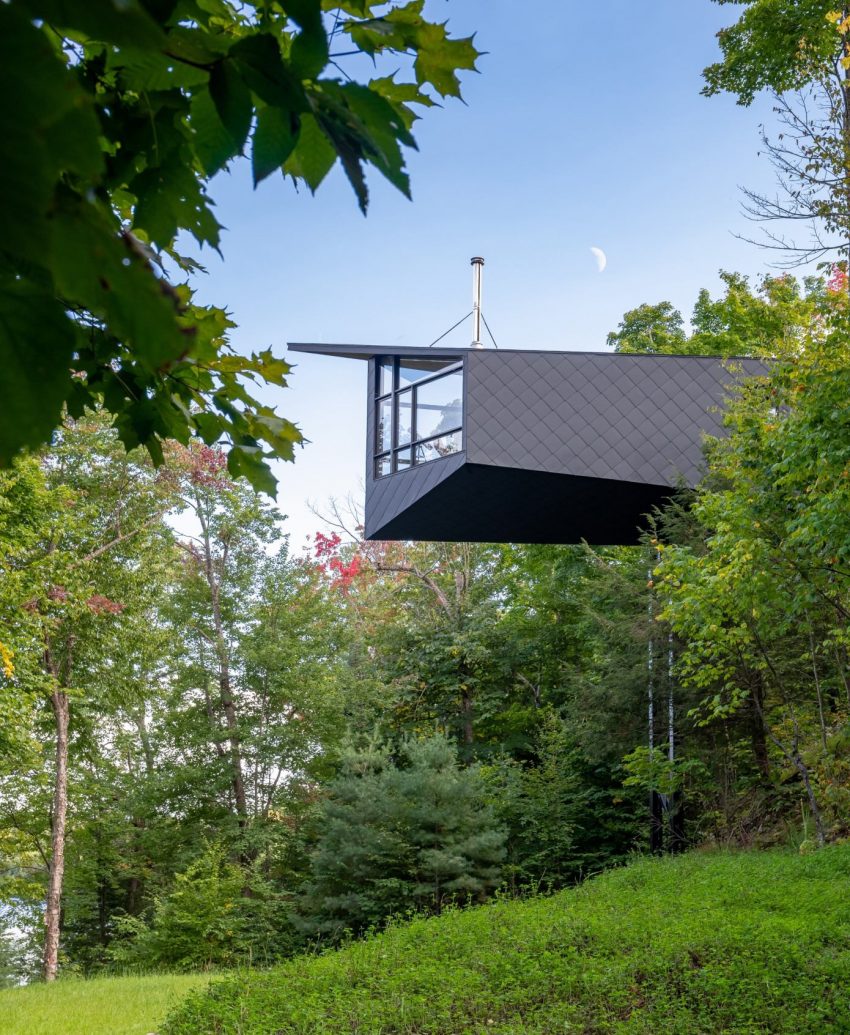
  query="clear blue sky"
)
[{"x": 584, "y": 127}]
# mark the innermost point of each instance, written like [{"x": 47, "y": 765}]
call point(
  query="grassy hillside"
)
[
  {"x": 105, "y": 1006},
  {"x": 705, "y": 943}
]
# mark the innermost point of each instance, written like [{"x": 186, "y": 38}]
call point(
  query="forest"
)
[
  {"x": 220, "y": 753},
  {"x": 267, "y": 752}
]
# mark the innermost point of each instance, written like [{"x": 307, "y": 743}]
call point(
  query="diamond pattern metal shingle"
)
[{"x": 634, "y": 418}]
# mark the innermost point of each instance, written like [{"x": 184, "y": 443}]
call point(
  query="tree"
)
[
  {"x": 430, "y": 615},
  {"x": 766, "y": 320},
  {"x": 649, "y": 328},
  {"x": 563, "y": 821},
  {"x": 67, "y": 582},
  {"x": 122, "y": 115},
  {"x": 761, "y": 603},
  {"x": 799, "y": 51},
  {"x": 400, "y": 831}
]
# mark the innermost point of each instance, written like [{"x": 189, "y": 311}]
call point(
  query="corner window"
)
[{"x": 418, "y": 411}]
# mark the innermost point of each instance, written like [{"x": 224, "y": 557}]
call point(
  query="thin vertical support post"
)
[{"x": 656, "y": 819}]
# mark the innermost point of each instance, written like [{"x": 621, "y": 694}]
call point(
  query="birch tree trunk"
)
[{"x": 56, "y": 871}]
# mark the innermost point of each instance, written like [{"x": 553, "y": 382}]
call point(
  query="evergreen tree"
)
[{"x": 411, "y": 831}]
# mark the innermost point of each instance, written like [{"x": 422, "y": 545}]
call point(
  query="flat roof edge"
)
[
  {"x": 359, "y": 351},
  {"x": 353, "y": 351}
]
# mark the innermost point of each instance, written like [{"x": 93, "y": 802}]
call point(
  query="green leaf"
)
[
  {"x": 247, "y": 462},
  {"x": 313, "y": 156},
  {"x": 208, "y": 426},
  {"x": 439, "y": 59},
  {"x": 79, "y": 399},
  {"x": 151, "y": 70},
  {"x": 280, "y": 434},
  {"x": 125, "y": 23},
  {"x": 308, "y": 54},
  {"x": 98, "y": 270},
  {"x": 401, "y": 94},
  {"x": 385, "y": 130},
  {"x": 48, "y": 127},
  {"x": 265, "y": 364},
  {"x": 271, "y": 368},
  {"x": 36, "y": 346},
  {"x": 214, "y": 145},
  {"x": 171, "y": 200},
  {"x": 397, "y": 30},
  {"x": 438, "y": 56},
  {"x": 275, "y": 136},
  {"x": 263, "y": 69},
  {"x": 232, "y": 100}
]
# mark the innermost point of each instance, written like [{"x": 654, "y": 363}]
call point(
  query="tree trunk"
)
[
  {"x": 817, "y": 688},
  {"x": 56, "y": 871},
  {"x": 803, "y": 770},
  {"x": 758, "y": 734},
  {"x": 231, "y": 721},
  {"x": 225, "y": 689},
  {"x": 466, "y": 718}
]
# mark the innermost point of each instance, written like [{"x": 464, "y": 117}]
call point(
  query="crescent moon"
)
[{"x": 601, "y": 258}]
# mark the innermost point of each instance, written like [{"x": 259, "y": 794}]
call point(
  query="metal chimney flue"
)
[{"x": 477, "y": 276}]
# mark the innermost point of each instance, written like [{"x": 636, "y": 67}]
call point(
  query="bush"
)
[{"x": 216, "y": 915}]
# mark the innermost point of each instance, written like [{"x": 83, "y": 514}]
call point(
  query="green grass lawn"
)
[
  {"x": 102, "y": 1006},
  {"x": 702, "y": 944}
]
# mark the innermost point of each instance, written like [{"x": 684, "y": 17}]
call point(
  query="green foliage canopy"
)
[
  {"x": 774, "y": 45},
  {"x": 122, "y": 113}
]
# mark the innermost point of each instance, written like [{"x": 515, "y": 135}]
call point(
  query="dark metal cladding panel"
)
[
  {"x": 478, "y": 503},
  {"x": 395, "y": 494},
  {"x": 636, "y": 418}
]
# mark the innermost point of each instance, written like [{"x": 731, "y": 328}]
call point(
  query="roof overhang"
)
[{"x": 367, "y": 352}]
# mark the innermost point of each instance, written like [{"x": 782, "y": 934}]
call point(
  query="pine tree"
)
[{"x": 401, "y": 832}]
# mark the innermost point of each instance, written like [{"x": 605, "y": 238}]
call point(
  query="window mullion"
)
[{"x": 413, "y": 435}]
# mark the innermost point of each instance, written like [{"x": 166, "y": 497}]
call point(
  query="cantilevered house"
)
[{"x": 485, "y": 445}]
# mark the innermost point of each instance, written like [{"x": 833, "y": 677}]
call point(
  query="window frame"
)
[{"x": 393, "y": 395}]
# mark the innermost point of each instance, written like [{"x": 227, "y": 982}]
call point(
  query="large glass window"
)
[{"x": 418, "y": 411}]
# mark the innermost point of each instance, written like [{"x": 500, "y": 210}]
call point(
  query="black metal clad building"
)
[{"x": 481, "y": 445}]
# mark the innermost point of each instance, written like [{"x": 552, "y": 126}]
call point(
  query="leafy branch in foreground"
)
[{"x": 117, "y": 116}]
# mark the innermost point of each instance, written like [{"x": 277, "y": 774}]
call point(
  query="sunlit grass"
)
[
  {"x": 101, "y": 1006},
  {"x": 703, "y": 944}
]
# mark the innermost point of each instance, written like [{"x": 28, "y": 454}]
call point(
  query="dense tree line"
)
[{"x": 215, "y": 751}]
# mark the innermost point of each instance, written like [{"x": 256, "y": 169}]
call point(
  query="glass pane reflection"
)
[
  {"x": 382, "y": 466},
  {"x": 438, "y": 405},
  {"x": 385, "y": 376},
  {"x": 405, "y": 416},
  {"x": 411, "y": 370},
  {"x": 445, "y": 445},
  {"x": 384, "y": 425}
]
